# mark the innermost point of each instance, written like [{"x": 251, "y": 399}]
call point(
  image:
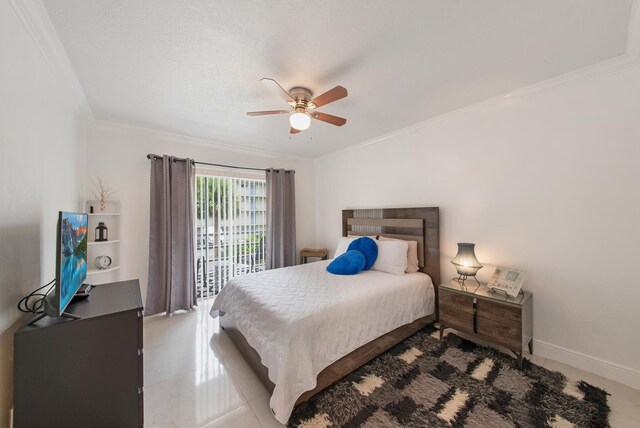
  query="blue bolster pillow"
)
[
  {"x": 368, "y": 248},
  {"x": 349, "y": 263}
]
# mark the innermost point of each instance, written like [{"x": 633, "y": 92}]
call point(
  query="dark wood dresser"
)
[
  {"x": 86, "y": 372},
  {"x": 491, "y": 317}
]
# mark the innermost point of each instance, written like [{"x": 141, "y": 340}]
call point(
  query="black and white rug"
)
[{"x": 423, "y": 382}]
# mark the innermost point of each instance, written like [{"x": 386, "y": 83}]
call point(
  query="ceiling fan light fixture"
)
[
  {"x": 300, "y": 121},
  {"x": 303, "y": 106}
]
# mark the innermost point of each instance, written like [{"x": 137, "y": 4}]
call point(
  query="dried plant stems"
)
[{"x": 102, "y": 192}]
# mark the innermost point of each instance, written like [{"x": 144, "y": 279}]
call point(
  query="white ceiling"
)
[{"x": 194, "y": 67}]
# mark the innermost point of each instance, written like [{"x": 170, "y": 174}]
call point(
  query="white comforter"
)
[{"x": 302, "y": 319}]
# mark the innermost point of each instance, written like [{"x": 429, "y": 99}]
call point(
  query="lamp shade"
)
[{"x": 465, "y": 261}]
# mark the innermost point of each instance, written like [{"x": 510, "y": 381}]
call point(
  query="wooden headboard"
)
[{"x": 411, "y": 224}]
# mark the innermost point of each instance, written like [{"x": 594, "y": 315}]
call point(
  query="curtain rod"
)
[{"x": 152, "y": 156}]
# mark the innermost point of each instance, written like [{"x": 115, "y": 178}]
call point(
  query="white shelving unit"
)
[
  {"x": 110, "y": 216},
  {"x": 109, "y": 242},
  {"x": 96, "y": 270}
]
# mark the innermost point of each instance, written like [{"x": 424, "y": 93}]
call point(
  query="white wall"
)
[
  {"x": 41, "y": 168},
  {"x": 118, "y": 153},
  {"x": 549, "y": 183}
]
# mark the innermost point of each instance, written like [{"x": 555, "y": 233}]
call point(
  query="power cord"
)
[{"x": 33, "y": 306}]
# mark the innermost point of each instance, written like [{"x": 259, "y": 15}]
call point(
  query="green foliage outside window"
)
[{"x": 219, "y": 194}]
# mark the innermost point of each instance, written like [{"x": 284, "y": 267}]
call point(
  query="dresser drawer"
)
[
  {"x": 140, "y": 407},
  {"x": 141, "y": 367}
]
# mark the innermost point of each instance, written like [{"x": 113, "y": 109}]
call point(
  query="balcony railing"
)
[{"x": 230, "y": 231}]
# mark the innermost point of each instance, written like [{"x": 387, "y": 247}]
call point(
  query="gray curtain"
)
[
  {"x": 281, "y": 219},
  {"x": 171, "y": 260}
]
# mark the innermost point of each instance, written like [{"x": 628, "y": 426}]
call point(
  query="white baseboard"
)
[{"x": 607, "y": 369}]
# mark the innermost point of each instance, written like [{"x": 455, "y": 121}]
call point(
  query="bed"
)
[{"x": 302, "y": 328}]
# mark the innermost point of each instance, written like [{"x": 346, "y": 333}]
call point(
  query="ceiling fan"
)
[{"x": 303, "y": 107}]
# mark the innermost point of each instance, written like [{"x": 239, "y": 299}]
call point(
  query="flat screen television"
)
[{"x": 71, "y": 259}]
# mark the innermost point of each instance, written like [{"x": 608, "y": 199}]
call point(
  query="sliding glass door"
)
[{"x": 230, "y": 227}]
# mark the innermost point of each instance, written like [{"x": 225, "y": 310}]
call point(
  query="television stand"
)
[
  {"x": 87, "y": 372},
  {"x": 62, "y": 315}
]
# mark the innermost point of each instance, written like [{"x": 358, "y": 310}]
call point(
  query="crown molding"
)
[
  {"x": 37, "y": 22},
  {"x": 194, "y": 141},
  {"x": 579, "y": 77},
  {"x": 633, "y": 32},
  {"x": 618, "y": 64}
]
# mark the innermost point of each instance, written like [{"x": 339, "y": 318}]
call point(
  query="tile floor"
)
[{"x": 195, "y": 377}]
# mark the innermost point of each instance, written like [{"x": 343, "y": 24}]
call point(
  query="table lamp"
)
[{"x": 466, "y": 262}]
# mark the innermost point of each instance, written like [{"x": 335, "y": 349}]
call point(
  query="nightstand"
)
[
  {"x": 492, "y": 317},
  {"x": 313, "y": 252}
]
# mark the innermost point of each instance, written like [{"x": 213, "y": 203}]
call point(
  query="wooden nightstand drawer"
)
[
  {"x": 509, "y": 336},
  {"x": 457, "y": 302},
  {"x": 452, "y": 316},
  {"x": 499, "y": 312}
]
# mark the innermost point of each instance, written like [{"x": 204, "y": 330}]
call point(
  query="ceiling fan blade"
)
[
  {"x": 330, "y": 96},
  {"x": 334, "y": 120},
  {"x": 294, "y": 131},
  {"x": 266, "y": 112},
  {"x": 277, "y": 89}
]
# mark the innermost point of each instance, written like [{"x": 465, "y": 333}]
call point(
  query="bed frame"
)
[{"x": 411, "y": 224}]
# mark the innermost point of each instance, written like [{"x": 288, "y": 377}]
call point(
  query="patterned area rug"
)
[{"x": 423, "y": 382}]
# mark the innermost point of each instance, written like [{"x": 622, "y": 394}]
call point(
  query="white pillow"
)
[
  {"x": 344, "y": 242},
  {"x": 413, "y": 263},
  {"x": 392, "y": 257}
]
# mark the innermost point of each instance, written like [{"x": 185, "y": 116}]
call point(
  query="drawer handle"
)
[{"x": 475, "y": 315}]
